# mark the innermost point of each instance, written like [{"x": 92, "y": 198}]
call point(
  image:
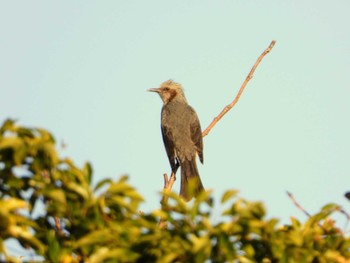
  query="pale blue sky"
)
[{"x": 81, "y": 70}]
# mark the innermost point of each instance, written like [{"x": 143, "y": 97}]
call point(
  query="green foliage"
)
[{"x": 48, "y": 205}]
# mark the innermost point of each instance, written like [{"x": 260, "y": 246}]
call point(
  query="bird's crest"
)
[{"x": 172, "y": 85}]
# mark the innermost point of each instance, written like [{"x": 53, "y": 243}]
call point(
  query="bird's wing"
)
[
  {"x": 169, "y": 146},
  {"x": 196, "y": 133}
]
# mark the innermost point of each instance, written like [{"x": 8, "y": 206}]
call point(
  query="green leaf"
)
[
  {"x": 78, "y": 189},
  {"x": 331, "y": 208},
  {"x": 134, "y": 195},
  {"x": 8, "y": 125},
  {"x": 46, "y": 136},
  {"x": 12, "y": 204},
  {"x": 56, "y": 195},
  {"x": 95, "y": 237},
  {"x": 159, "y": 213},
  {"x": 25, "y": 132},
  {"x": 102, "y": 183},
  {"x": 119, "y": 188},
  {"x": 54, "y": 246},
  {"x": 87, "y": 170},
  {"x": 121, "y": 202},
  {"x": 168, "y": 258},
  {"x": 257, "y": 209},
  {"x": 228, "y": 195},
  {"x": 26, "y": 238},
  {"x": 295, "y": 222},
  {"x": 104, "y": 253},
  {"x": 16, "y": 145},
  {"x": 123, "y": 179},
  {"x": 200, "y": 243}
]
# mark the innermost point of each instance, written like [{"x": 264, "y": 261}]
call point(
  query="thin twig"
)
[
  {"x": 58, "y": 225},
  {"x": 233, "y": 103},
  {"x": 342, "y": 211},
  {"x": 168, "y": 185},
  {"x": 338, "y": 209},
  {"x": 298, "y": 205}
]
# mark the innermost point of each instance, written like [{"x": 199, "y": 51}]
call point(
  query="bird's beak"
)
[{"x": 154, "y": 90}]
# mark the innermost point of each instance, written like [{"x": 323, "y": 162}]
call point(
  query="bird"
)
[{"x": 182, "y": 137}]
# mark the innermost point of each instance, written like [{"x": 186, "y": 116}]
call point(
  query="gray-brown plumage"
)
[{"x": 182, "y": 136}]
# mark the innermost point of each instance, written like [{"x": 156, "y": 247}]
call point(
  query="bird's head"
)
[{"x": 170, "y": 91}]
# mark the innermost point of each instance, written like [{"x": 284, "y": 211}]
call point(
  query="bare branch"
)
[
  {"x": 168, "y": 183},
  {"x": 233, "y": 103},
  {"x": 290, "y": 195}
]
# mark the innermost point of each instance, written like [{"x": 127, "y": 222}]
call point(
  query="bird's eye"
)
[{"x": 166, "y": 89}]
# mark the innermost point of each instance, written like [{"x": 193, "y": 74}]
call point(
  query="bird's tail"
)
[{"x": 191, "y": 184}]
